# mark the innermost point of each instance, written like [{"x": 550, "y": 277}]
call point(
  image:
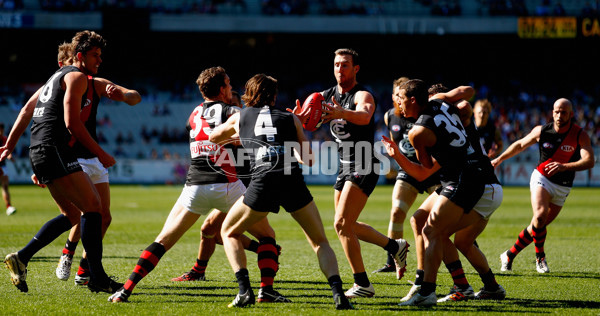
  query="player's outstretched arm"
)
[
  {"x": 518, "y": 146},
  {"x": 116, "y": 92},
  {"x": 19, "y": 126},
  {"x": 226, "y": 130},
  {"x": 365, "y": 107},
  {"x": 415, "y": 170}
]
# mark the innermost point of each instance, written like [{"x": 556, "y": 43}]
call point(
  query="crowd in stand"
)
[{"x": 304, "y": 7}]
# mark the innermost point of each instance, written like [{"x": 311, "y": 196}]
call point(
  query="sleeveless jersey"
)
[
  {"x": 210, "y": 163},
  {"x": 479, "y": 156},
  {"x": 352, "y": 137},
  {"x": 89, "y": 111},
  {"x": 48, "y": 127},
  {"x": 264, "y": 132},
  {"x": 452, "y": 146},
  {"x": 399, "y": 127},
  {"x": 561, "y": 148},
  {"x": 487, "y": 134}
]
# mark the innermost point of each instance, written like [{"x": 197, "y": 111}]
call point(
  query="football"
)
[{"x": 314, "y": 102}]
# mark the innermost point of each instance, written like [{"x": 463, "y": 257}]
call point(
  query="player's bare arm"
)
[
  {"x": 75, "y": 87},
  {"x": 365, "y": 107},
  {"x": 415, "y": 170},
  {"x": 456, "y": 94},
  {"x": 518, "y": 146},
  {"x": 226, "y": 130},
  {"x": 305, "y": 156},
  {"x": 19, "y": 126},
  {"x": 421, "y": 138},
  {"x": 116, "y": 92}
]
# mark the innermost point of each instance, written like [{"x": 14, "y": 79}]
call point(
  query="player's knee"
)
[
  {"x": 106, "y": 220},
  {"x": 209, "y": 230},
  {"x": 463, "y": 245},
  {"x": 342, "y": 226}
]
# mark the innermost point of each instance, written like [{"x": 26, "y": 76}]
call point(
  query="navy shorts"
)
[
  {"x": 422, "y": 186},
  {"x": 52, "y": 162},
  {"x": 272, "y": 190},
  {"x": 465, "y": 192},
  {"x": 366, "y": 182}
]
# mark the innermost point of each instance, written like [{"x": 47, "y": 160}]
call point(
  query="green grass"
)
[{"x": 572, "y": 247}]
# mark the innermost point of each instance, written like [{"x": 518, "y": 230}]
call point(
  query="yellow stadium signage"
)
[{"x": 547, "y": 27}]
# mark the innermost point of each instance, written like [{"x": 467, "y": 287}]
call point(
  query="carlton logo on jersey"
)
[
  {"x": 406, "y": 147},
  {"x": 567, "y": 148},
  {"x": 203, "y": 148},
  {"x": 338, "y": 129}
]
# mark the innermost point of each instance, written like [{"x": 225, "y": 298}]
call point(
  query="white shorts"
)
[
  {"x": 202, "y": 199},
  {"x": 94, "y": 169},
  {"x": 558, "y": 193},
  {"x": 490, "y": 200}
]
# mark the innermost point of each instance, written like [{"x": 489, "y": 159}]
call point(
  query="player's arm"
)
[
  {"x": 415, "y": 170},
  {"x": 456, "y": 94},
  {"x": 518, "y": 146},
  {"x": 497, "y": 145},
  {"x": 421, "y": 138},
  {"x": 115, "y": 92},
  {"x": 305, "y": 155},
  {"x": 365, "y": 107},
  {"x": 226, "y": 130},
  {"x": 19, "y": 126},
  {"x": 75, "y": 87},
  {"x": 585, "y": 162}
]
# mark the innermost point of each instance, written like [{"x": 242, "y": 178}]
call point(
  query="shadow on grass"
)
[
  {"x": 57, "y": 257},
  {"x": 561, "y": 275}
]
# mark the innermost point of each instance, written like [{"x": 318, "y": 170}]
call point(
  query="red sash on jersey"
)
[
  {"x": 87, "y": 107},
  {"x": 565, "y": 151}
]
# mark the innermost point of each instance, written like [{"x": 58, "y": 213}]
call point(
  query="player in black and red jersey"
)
[{"x": 564, "y": 149}]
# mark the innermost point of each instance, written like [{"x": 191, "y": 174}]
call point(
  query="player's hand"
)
[
  {"x": 114, "y": 93},
  {"x": 35, "y": 181},
  {"x": 4, "y": 153},
  {"x": 107, "y": 160},
  {"x": 553, "y": 167},
  {"x": 332, "y": 111},
  {"x": 496, "y": 162},
  {"x": 302, "y": 114},
  {"x": 390, "y": 146}
]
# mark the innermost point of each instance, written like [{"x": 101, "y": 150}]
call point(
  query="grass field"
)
[{"x": 572, "y": 247}]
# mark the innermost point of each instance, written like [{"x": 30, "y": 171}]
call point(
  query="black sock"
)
[
  {"x": 427, "y": 288},
  {"x": 91, "y": 238},
  {"x": 361, "y": 279},
  {"x": 50, "y": 231},
  {"x": 419, "y": 277},
  {"x": 335, "y": 282},
  {"x": 243, "y": 280},
  {"x": 71, "y": 246},
  {"x": 390, "y": 260},
  {"x": 489, "y": 281},
  {"x": 253, "y": 246},
  {"x": 392, "y": 246}
]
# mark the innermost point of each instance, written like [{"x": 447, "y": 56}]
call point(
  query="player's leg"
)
[
  {"x": 178, "y": 222},
  {"x": 4, "y": 181},
  {"x": 310, "y": 220}
]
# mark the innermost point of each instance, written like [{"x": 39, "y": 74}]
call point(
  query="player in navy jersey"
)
[
  {"x": 10, "y": 210},
  {"x": 272, "y": 137},
  {"x": 441, "y": 142},
  {"x": 209, "y": 185},
  {"x": 55, "y": 110},
  {"x": 564, "y": 149},
  {"x": 406, "y": 187},
  {"x": 489, "y": 134},
  {"x": 350, "y": 109}
]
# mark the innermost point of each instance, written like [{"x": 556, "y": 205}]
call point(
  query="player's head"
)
[
  {"x": 65, "y": 54},
  {"x": 482, "y": 110},
  {"x": 236, "y": 99},
  {"x": 413, "y": 97},
  {"x": 562, "y": 113},
  {"x": 87, "y": 47},
  {"x": 214, "y": 84},
  {"x": 345, "y": 66},
  {"x": 396, "y": 94},
  {"x": 437, "y": 88},
  {"x": 260, "y": 90}
]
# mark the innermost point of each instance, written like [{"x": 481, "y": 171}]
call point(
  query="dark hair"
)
[
  {"x": 84, "y": 41},
  {"x": 260, "y": 90},
  {"x": 210, "y": 81},
  {"x": 349, "y": 51},
  {"x": 437, "y": 88},
  {"x": 416, "y": 88}
]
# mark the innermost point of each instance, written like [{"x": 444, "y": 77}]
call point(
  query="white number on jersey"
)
[
  {"x": 264, "y": 125},
  {"x": 453, "y": 126},
  {"x": 46, "y": 92}
]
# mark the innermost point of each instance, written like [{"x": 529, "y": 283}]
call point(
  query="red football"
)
[{"x": 314, "y": 102}]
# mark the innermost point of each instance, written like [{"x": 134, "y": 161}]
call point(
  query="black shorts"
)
[
  {"x": 366, "y": 182},
  {"x": 422, "y": 186},
  {"x": 52, "y": 162},
  {"x": 465, "y": 193},
  {"x": 272, "y": 190}
]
